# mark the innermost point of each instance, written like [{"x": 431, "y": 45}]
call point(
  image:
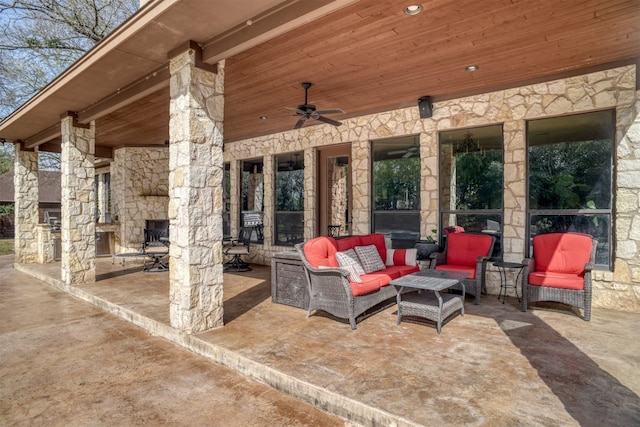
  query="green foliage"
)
[
  {"x": 290, "y": 190},
  {"x": 6, "y": 159},
  {"x": 479, "y": 180},
  {"x": 571, "y": 175},
  {"x": 7, "y": 210},
  {"x": 396, "y": 184},
  {"x": 6, "y": 246}
]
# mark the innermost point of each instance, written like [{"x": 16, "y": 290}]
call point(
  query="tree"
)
[
  {"x": 39, "y": 39},
  {"x": 6, "y": 158}
]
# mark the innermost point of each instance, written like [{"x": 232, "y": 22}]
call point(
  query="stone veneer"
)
[
  {"x": 26, "y": 205},
  {"x": 139, "y": 191},
  {"x": 196, "y": 194},
  {"x": 615, "y": 88},
  {"x": 78, "y": 231}
]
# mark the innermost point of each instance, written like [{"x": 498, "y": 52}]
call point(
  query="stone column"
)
[
  {"x": 310, "y": 193},
  {"x": 515, "y": 191},
  {"x": 78, "y": 227},
  {"x": 269, "y": 197},
  {"x": 361, "y": 187},
  {"x": 26, "y": 205},
  {"x": 196, "y": 171},
  {"x": 429, "y": 194}
]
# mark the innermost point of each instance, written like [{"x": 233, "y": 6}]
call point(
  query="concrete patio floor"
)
[{"x": 495, "y": 366}]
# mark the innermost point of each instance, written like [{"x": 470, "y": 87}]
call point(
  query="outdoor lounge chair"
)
[
  {"x": 156, "y": 247},
  {"x": 237, "y": 248},
  {"x": 468, "y": 253},
  {"x": 560, "y": 270}
]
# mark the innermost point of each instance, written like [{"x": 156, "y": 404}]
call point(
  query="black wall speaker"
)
[{"x": 425, "y": 107}]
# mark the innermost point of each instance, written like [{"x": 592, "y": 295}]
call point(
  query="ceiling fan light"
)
[{"x": 412, "y": 9}]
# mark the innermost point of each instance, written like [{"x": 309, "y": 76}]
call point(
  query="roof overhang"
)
[{"x": 131, "y": 62}]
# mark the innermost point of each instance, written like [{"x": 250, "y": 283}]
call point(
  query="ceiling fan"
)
[
  {"x": 409, "y": 152},
  {"x": 308, "y": 111}
]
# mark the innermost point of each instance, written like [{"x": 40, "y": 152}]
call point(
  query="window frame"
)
[
  {"x": 404, "y": 238},
  {"x": 576, "y": 212},
  {"x": 498, "y": 252}
]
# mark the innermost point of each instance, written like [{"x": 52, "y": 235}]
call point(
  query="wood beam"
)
[
  {"x": 265, "y": 26},
  {"x": 104, "y": 152},
  {"x": 47, "y": 135},
  {"x": 130, "y": 94},
  {"x": 54, "y": 146}
]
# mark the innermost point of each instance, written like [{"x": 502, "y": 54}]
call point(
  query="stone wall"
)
[
  {"x": 139, "y": 191},
  {"x": 615, "y": 88}
]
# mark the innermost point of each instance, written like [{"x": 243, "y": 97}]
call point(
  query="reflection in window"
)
[
  {"x": 289, "y": 215},
  {"x": 396, "y": 189},
  {"x": 569, "y": 168},
  {"x": 252, "y": 197},
  {"x": 471, "y": 181},
  {"x": 226, "y": 201}
]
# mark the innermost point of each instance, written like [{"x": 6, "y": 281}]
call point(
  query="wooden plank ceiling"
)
[{"x": 371, "y": 57}]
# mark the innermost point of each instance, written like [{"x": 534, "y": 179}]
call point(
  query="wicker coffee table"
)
[{"x": 430, "y": 304}]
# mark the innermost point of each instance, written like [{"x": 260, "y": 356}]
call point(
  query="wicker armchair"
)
[
  {"x": 560, "y": 270},
  {"x": 469, "y": 253}
]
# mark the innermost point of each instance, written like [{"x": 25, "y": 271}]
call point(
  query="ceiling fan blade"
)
[
  {"x": 299, "y": 123},
  {"x": 408, "y": 154},
  {"x": 334, "y": 111},
  {"x": 328, "y": 120},
  {"x": 297, "y": 110},
  {"x": 393, "y": 153}
]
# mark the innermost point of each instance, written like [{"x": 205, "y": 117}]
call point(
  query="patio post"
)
[
  {"x": 196, "y": 171},
  {"x": 78, "y": 225},
  {"x": 26, "y": 205}
]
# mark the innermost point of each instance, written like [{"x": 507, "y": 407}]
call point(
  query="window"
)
[
  {"x": 226, "y": 201},
  {"x": 569, "y": 177},
  {"x": 396, "y": 189},
  {"x": 471, "y": 181},
  {"x": 252, "y": 197},
  {"x": 289, "y": 214}
]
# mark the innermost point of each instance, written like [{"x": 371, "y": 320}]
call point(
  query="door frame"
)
[{"x": 325, "y": 153}]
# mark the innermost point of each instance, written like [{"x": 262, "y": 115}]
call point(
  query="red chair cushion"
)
[
  {"x": 321, "y": 251},
  {"x": 463, "y": 249},
  {"x": 562, "y": 252},
  {"x": 459, "y": 269},
  {"x": 556, "y": 280}
]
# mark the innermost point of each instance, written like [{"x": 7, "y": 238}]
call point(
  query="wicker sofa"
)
[{"x": 329, "y": 287}]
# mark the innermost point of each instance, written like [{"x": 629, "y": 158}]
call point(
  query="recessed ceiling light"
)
[
  {"x": 263, "y": 117},
  {"x": 471, "y": 68},
  {"x": 412, "y": 9}
]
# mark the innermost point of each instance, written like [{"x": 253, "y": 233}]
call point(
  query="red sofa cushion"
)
[
  {"x": 402, "y": 270},
  {"x": 557, "y": 280},
  {"x": 321, "y": 251},
  {"x": 463, "y": 249},
  {"x": 370, "y": 283},
  {"x": 565, "y": 253},
  {"x": 459, "y": 269},
  {"x": 348, "y": 243}
]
